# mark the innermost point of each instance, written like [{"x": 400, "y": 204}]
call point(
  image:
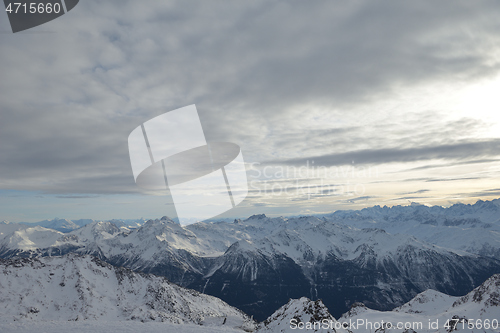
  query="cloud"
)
[
  {"x": 489, "y": 193},
  {"x": 412, "y": 198},
  {"x": 282, "y": 79},
  {"x": 455, "y": 151},
  {"x": 446, "y": 165},
  {"x": 75, "y": 196},
  {"x": 414, "y": 192}
]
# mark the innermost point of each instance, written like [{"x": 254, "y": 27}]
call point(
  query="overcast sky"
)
[{"x": 343, "y": 104}]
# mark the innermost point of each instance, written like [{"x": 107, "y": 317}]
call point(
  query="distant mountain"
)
[
  {"x": 129, "y": 223},
  {"x": 80, "y": 288},
  {"x": 82, "y": 222},
  {"x": 26, "y": 241},
  {"x": 65, "y": 225},
  {"x": 471, "y": 228},
  {"x": 62, "y": 225},
  {"x": 431, "y": 311}
]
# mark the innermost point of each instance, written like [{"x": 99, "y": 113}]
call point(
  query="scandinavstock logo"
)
[
  {"x": 169, "y": 153},
  {"x": 24, "y": 15}
]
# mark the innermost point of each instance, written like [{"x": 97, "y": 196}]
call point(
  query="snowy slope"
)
[
  {"x": 87, "y": 326},
  {"x": 18, "y": 237},
  {"x": 85, "y": 288},
  {"x": 428, "y": 302},
  {"x": 301, "y": 314},
  {"x": 478, "y": 311}
]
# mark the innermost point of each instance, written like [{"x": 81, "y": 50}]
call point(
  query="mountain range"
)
[
  {"x": 381, "y": 256},
  {"x": 83, "y": 293}
]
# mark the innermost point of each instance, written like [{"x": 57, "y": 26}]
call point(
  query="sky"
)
[{"x": 334, "y": 104}]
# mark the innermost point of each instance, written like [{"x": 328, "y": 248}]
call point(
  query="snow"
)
[
  {"x": 427, "y": 302},
  {"x": 470, "y": 228},
  {"x": 74, "y": 288},
  {"x": 297, "y": 312},
  {"x": 483, "y": 304},
  {"x": 87, "y": 326},
  {"x": 350, "y": 236},
  {"x": 408, "y": 237},
  {"x": 23, "y": 237},
  {"x": 462, "y": 229}
]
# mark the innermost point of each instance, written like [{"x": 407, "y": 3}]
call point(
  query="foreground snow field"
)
[
  {"x": 74, "y": 288},
  {"x": 90, "y": 326}
]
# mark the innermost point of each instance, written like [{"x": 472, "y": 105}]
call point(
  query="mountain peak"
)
[
  {"x": 257, "y": 217},
  {"x": 298, "y": 312},
  {"x": 163, "y": 221},
  {"x": 427, "y": 302}
]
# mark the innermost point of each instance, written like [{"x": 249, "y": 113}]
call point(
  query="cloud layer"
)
[{"x": 288, "y": 81}]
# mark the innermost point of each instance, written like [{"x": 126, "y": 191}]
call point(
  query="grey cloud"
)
[
  {"x": 414, "y": 192},
  {"x": 411, "y": 198},
  {"x": 446, "y": 165},
  {"x": 76, "y": 196},
  {"x": 482, "y": 194},
  {"x": 452, "y": 179},
  {"x": 69, "y": 99},
  {"x": 361, "y": 198},
  {"x": 455, "y": 151}
]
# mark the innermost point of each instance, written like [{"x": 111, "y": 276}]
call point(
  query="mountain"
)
[
  {"x": 65, "y": 225},
  {"x": 375, "y": 256},
  {"x": 82, "y": 222},
  {"x": 259, "y": 263},
  {"x": 427, "y": 302},
  {"x": 23, "y": 240},
  {"x": 470, "y": 228},
  {"x": 129, "y": 223},
  {"x": 301, "y": 314},
  {"x": 307, "y": 256},
  {"x": 82, "y": 288},
  {"x": 431, "y": 311},
  {"x": 62, "y": 225}
]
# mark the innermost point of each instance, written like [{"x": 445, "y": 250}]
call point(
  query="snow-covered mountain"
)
[
  {"x": 428, "y": 302},
  {"x": 259, "y": 263},
  {"x": 65, "y": 225},
  {"x": 431, "y": 311},
  {"x": 471, "y": 228},
  {"x": 58, "y": 224},
  {"x": 82, "y": 288},
  {"x": 16, "y": 239},
  {"x": 301, "y": 314}
]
